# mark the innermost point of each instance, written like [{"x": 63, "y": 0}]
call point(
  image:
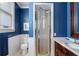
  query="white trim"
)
[
  {"x": 52, "y": 19},
  {"x": 24, "y": 6},
  {"x": 33, "y": 19},
  {"x": 39, "y": 3},
  {"x": 52, "y": 29},
  {"x": 34, "y": 27}
]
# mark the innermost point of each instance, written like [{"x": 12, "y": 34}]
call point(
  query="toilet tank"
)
[{"x": 24, "y": 38}]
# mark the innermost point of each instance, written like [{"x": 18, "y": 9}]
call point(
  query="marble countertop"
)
[{"x": 62, "y": 41}]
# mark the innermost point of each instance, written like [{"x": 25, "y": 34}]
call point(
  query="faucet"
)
[{"x": 75, "y": 41}]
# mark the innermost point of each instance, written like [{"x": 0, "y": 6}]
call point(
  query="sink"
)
[{"x": 73, "y": 45}]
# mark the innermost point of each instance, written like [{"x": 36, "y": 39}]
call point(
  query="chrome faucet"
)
[{"x": 75, "y": 41}]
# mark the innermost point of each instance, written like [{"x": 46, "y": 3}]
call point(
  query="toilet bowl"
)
[
  {"x": 24, "y": 44},
  {"x": 24, "y": 48}
]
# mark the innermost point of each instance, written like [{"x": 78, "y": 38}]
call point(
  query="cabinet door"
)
[
  {"x": 61, "y": 51},
  {"x": 6, "y": 6},
  {"x": 7, "y": 18},
  {"x": 69, "y": 53}
]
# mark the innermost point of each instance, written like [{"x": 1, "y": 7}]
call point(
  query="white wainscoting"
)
[
  {"x": 15, "y": 42},
  {"x": 32, "y": 50},
  {"x": 13, "y": 45}
]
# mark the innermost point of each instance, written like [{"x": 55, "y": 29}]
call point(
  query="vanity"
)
[{"x": 63, "y": 49}]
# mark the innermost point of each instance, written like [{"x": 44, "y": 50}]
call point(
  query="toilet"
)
[{"x": 24, "y": 46}]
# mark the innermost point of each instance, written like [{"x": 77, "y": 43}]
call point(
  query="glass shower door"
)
[{"x": 43, "y": 31}]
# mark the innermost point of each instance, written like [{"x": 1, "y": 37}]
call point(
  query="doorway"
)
[{"x": 43, "y": 29}]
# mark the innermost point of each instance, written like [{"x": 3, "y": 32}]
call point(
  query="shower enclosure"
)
[{"x": 43, "y": 31}]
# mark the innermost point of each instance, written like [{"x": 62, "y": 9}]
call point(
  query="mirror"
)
[{"x": 74, "y": 16}]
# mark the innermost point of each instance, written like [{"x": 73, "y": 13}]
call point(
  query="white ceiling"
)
[
  {"x": 23, "y": 4},
  {"x": 26, "y": 4}
]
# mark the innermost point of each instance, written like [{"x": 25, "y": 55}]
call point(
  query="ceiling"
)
[
  {"x": 26, "y": 4},
  {"x": 23, "y": 4}
]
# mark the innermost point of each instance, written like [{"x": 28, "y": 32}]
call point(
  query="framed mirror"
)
[{"x": 74, "y": 17}]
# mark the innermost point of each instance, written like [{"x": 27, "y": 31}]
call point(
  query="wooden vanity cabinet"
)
[{"x": 62, "y": 51}]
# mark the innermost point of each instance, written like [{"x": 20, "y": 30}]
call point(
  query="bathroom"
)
[
  {"x": 18, "y": 32},
  {"x": 13, "y": 33},
  {"x": 39, "y": 29}
]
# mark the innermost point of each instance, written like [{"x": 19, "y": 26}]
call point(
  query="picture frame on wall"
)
[{"x": 26, "y": 26}]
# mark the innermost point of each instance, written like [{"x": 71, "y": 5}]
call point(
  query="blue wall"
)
[
  {"x": 31, "y": 19},
  {"x": 61, "y": 22},
  {"x": 24, "y": 17},
  {"x": 68, "y": 20},
  {"x": 3, "y": 46},
  {"x": 60, "y": 19}
]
